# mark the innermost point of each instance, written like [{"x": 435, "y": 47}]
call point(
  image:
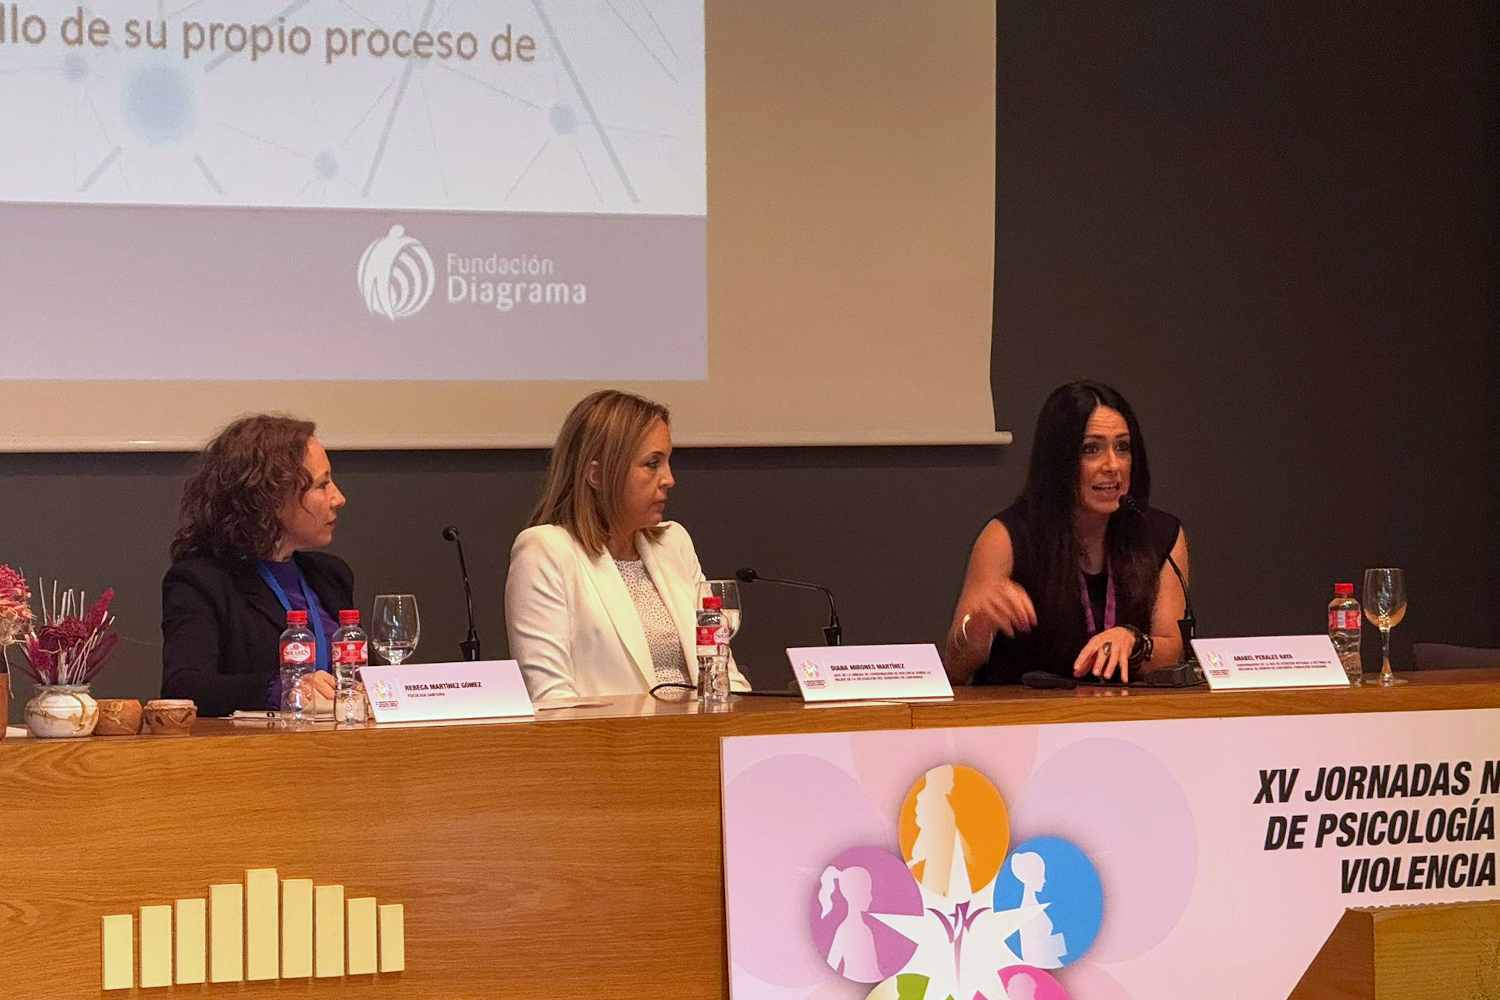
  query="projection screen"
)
[{"x": 438, "y": 223}]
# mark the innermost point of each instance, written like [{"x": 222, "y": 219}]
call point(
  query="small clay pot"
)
[
  {"x": 118, "y": 717},
  {"x": 62, "y": 711},
  {"x": 170, "y": 716}
]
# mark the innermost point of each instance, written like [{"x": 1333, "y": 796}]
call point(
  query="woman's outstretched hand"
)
[
  {"x": 1004, "y": 607},
  {"x": 1106, "y": 654}
]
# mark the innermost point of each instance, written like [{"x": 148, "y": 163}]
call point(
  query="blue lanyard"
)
[{"x": 314, "y": 609}]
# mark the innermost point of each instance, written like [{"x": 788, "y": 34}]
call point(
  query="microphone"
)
[
  {"x": 470, "y": 645},
  {"x": 1188, "y": 671},
  {"x": 1047, "y": 680},
  {"x": 833, "y": 632}
]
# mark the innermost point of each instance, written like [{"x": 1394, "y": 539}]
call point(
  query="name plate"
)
[
  {"x": 854, "y": 673},
  {"x": 438, "y": 692},
  {"x": 1274, "y": 661}
]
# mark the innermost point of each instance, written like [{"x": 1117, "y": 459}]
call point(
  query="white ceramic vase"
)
[{"x": 62, "y": 711}]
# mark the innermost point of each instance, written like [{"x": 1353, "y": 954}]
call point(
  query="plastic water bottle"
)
[
  {"x": 351, "y": 653},
  {"x": 299, "y": 661},
  {"x": 1344, "y": 622},
  {"x": 713, "y": 654}
]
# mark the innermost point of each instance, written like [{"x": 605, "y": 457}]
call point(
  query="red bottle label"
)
[
  {"x": 1343, "y": 620},
  {"x": 713, "y": 635},
  {"x": 355, "y": 653},
  {"x": 296, "y": 652}
]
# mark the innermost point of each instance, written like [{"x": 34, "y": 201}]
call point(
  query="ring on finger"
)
[{"x": 963, "y": 627}]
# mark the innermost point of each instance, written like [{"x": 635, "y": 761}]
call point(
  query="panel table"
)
[{"x": 577, "y": 855}]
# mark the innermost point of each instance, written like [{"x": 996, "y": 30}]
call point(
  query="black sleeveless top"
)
[{"x": 1053, "y": 646}]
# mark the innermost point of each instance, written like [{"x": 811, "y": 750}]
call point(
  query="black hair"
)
[{"x": 1049, "y": 503}]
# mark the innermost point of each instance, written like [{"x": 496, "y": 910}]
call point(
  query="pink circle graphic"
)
[
  {"x": 1023, "y": 982},
  {"x": 770, "y": 862},
  {"x": 851, "y": 891},
  {"x": 885, "y": 779},
  {"x": 840, "y": 989},
  {"x": 1125, "y": 810},
  {"x": 1087, "y": 981}
]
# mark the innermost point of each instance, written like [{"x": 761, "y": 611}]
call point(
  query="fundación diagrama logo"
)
[{"x": 396, "y": 275}]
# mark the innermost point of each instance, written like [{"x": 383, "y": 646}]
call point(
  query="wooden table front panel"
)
[{"x": 579, "y": 856}]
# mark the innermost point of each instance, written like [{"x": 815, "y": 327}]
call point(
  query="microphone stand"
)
[
  {"x": 1187, "y": 626},
  {"x": 833, "y": 632},
  {"x": 1187, "y": 671},
  {"x": 470, "y": 646}
]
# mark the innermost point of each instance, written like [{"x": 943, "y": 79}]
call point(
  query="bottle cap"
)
[
  {"x": 296, "y": 617},
  {"x": 1343, "y": 589},
  {"x": 712, "y": 602},
  {"x": 349, "y": 617}
]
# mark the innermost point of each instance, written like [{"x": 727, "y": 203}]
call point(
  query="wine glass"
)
[
  {"x": 727, "y": 591},
  {"x": 1385, "y": 606},
  {"x": 396, "y": 627}
]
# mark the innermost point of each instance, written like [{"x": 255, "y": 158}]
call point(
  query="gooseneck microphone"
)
[
  {"x": 470, "y": 645},
  {"x": 1187, "y": 625},
  {"x": 833, "y": 632}
]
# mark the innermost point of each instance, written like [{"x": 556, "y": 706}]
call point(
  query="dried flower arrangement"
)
[
  {"x": 16, "y": 617},
  {"x": 72, "y": 645}
]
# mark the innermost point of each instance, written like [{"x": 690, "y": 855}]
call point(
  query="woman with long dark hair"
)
[
  {"x": 259, "y": 500},
  {"x": 1065, "y": 580}
]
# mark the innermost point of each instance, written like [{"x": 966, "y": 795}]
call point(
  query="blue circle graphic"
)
[
  {"x": 75, "y": 67},
  {"x": 563, "y": 118},
  {"x": 160, "y": 105},
  {"x": 1051, "y": 871},
  {"x": 325, "y": 166}
]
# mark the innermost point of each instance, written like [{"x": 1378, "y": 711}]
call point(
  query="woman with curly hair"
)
[{"x": 259, "y": 500}]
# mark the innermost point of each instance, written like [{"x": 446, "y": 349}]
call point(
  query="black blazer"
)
[{"x": 221, "y": 624}]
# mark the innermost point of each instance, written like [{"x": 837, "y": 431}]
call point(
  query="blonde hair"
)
[{"x": 605, "y": 427}]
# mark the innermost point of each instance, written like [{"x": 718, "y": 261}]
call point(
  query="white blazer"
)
[{"x": 572, "y": 623}]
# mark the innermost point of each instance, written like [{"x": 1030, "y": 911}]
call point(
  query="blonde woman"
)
[{"x": 602, "y": 594}]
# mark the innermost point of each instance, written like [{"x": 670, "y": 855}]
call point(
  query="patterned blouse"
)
[{"x": 661, "y": 632}]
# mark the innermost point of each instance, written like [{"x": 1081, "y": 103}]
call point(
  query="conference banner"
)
[
  {"x": 507, "y": 190},
  {"x": 1100, "y": 861}
]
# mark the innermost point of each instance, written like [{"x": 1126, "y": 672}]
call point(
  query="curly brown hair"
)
[{"x": 233, "y": 497}]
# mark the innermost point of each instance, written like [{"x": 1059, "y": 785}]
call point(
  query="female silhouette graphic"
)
[
  {"x": 852, "y": 953},
  {"x": 939, "y": 855},
  {"x": 1039, "y": 946}
]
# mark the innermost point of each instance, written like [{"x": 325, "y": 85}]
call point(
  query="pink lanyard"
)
[{"x": 1109, "y": 600}]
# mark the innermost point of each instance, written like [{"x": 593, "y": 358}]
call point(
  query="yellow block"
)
[
  {"x": 262, "y": 959},
  {"x": 296, "y": 928},
  {"x": 192, "y": 940},
  {"x": 361, "y": 936},
  {"x": 392, "y": 938},
  {"x": 119, "y": 952},
  {"x": 226, "y": 916},
  {"x": 156, "y": 946},
  {"x": 328, "y": 937}
]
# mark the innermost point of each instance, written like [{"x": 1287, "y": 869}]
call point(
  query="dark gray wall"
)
[
  {"x": 889, "y": 529},
  {"x": 1272, "y": 228}
]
